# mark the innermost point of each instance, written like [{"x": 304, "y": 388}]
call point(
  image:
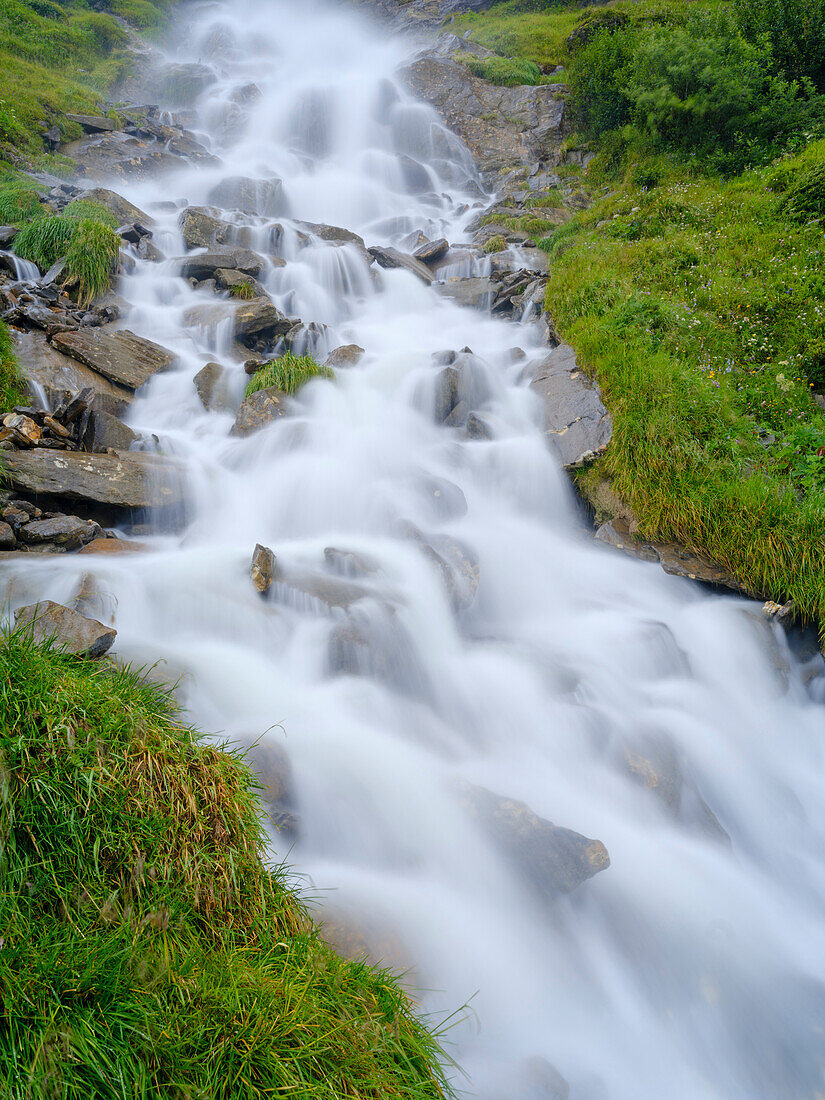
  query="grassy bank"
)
[
  {"x": 59, "y": 58},
  {"x": 692, "y": 286},
  {"x": 147, "y": 951}
]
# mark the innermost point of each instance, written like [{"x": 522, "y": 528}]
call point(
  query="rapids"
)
[{"x": 690, "y": 968}]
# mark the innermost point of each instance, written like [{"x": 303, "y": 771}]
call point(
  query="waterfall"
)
[{"x": 674, "y": 725}]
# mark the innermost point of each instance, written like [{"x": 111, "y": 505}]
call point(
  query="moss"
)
[
  {"x": 147, "y": 948},
  {"x": 288, "y": 374}
]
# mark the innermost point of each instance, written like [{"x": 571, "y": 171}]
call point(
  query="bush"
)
[
  {"x": 795, "y": 30},
  {"x": 805, "y": 197},
  {"x": 288, "y": 373},
  {"x": 599, "y": 75},
  {"x": 91, "y": 259},
  {"x": 504, "y": 71},
  {"x": 703, "y": 88}
]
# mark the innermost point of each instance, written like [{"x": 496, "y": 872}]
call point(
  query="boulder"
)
[
  {"x": 259, "y": 410},
  {"x": 7, "y": 537},
  {"x": 121, "y": 356},
  {"x": 93, "y": 124},
  {"x": 431, "y": 251},
  {"x": 263, "y": 568},
  {"x": 68, "y": 531},
  {"x": 239, "y": 285},
  {"x": 60, "y": 376},
  {"x": 201, "y": 227},
  {"x": 577, "y": 425},
  {"x": 104, "y": 432},
  {"x": 70, "y": 631},
  {"x": 113, "y": 546},
  {"x": 260, "y": 319},
  {"x": 122, "y": 209},
  {"x": 210, "y": 382},
  {"x": 203, "y": 265},
  {"x": 392, "y": 258},
  {"x": 134, "y": 480},
  {"x": 258, "y": 197},
  {"x": 348, "y": 355},
  {"x": 476, "y": 292},
  {"x": 180, "y": 83},
  {"x": 553, "y": 860}
]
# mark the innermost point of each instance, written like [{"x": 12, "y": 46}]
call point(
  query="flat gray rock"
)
[
  {"x": 69, "y": 630},
  {"x": 577, "y": 424},
  {"x": 121, "y": 356},
  {"x": 133, "y": 480},
  {"x": 392, "y": 258},
  {"x": 59, "y": 374}
]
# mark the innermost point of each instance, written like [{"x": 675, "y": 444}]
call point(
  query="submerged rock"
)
[
  {"x": 71, "y": 631},
  {"x": 553, "y": 860},
  {"x": 258, "y": 197}
]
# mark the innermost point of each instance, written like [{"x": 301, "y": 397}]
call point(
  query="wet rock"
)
[
  {"x": 68, "y": 531},
  {"x": 181, "y": 83},
  {"x": 240, "y": 285},
  {"x": 142, "y": 153},
  {"x": 250, "y": 196},
  {"x": 122, "y": 209},
  {"x": 457, "y": 565},
  {"x": 7, "y": 235},
  {"x": 331, "y": 592},
  {"x": 71, "y": 631},
  {"x": 204, "y": 264},
  {"x": 271, "y": 763},
  {"x": 553, "y": 860},
  {"x": 432, "y": 251},
  {"x": 133, "y": 480},
  {"x": 263, "y": 568},
  {"x": 104, "y": 432},
  {"x": 577, "y": 425},
  {"x": 202, "y": 228},
  {"x": 260, "y": 319},
  {"x": 122, "y": 357},
  {"x": 349, "y": 563},
  {"x": 392, "y": 258},
  {"x": 133, "y": 232},
  {"x": 148, "y": 250},
  {"x": 478, "y": 428},
  {"x": 783, "y": 614},
  {"x": 259, "y": 410},
  {"x": 475, "y": 292},
  {"x": 504, "y": 127},
  {"x": 93, "y": 124},
  {"x": 7, "y": 539},
  {"x": 333, "y": 233},
  {"x": 113, "y": 546},
  {"x": 448, "y": 392},
  {"x": 24, "y": 431},
  {"x": 210, "y": 382},
  {"x": 348, "y": 355},
  {"x": 308, "y": 339},
  {"x": 653, "y": 762}
]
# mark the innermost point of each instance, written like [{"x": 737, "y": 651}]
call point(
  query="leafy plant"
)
[
  {"x": 288, "y": 373},
  {"x": 795, "y": 30},
  {"x": 599, "y": 77}
]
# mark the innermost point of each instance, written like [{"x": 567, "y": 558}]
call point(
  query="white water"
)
[{"x": 689, "y": 969}]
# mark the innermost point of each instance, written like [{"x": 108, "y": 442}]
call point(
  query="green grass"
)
[
  {"x": 506, "y": 72},
  {"x": 697, "y": 303},
  {"x": 288, "y": 374},
  {"x": 19, "y": 199},
  {"x": 148, "y": 953},
  {"x": 12, "y": 386},
  {"x": 84, "y": 236},
  {"x": 60, "y": 58}
]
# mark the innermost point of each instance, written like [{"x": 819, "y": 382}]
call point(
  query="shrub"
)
[
  {"x": 288, "y": 373},
  {"x": 795, "y": 30},
  {"x": 805, "y": 196},
  {"x": 505, "y": 71},
  {"x": 598, "y": 78}
]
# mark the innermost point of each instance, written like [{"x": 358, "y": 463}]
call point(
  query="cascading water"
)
[{"x": 692, "y": 967}]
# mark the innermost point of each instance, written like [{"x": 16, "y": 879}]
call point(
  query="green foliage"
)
[
  {"x": 84, "y": 235},
  {"x": 91, "y": 259},
  {"x": 45, "y": 240},
  {"x": 287, "y": 373},
  {"x": 795, "y": 30},
  {"x": 12, "y": 387},
  {"x": 805, "y": 195},
  {"x": 19, "y": 199},
  {"x": 506, "y": 72},
  {"x": 599, "y": 78},
  {"x": 148, "y": 951},
  {"x": 495, "y": 244}
]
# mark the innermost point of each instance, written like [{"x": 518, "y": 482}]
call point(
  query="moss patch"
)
[{"x": 147, "y": 949}]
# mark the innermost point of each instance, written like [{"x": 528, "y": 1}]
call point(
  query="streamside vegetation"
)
[
  {"x": 692, "y": 284},
  {"x": 146, "y": 947},
  {"x": 287, "y": 373}
]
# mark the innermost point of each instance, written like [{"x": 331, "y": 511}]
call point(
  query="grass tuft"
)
[
  {"x": 12, "y": 386},
  {"x": 148, "y": 951},
  {"x": 288, "y": 374},
  {"x": 91, "y": 259}
]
